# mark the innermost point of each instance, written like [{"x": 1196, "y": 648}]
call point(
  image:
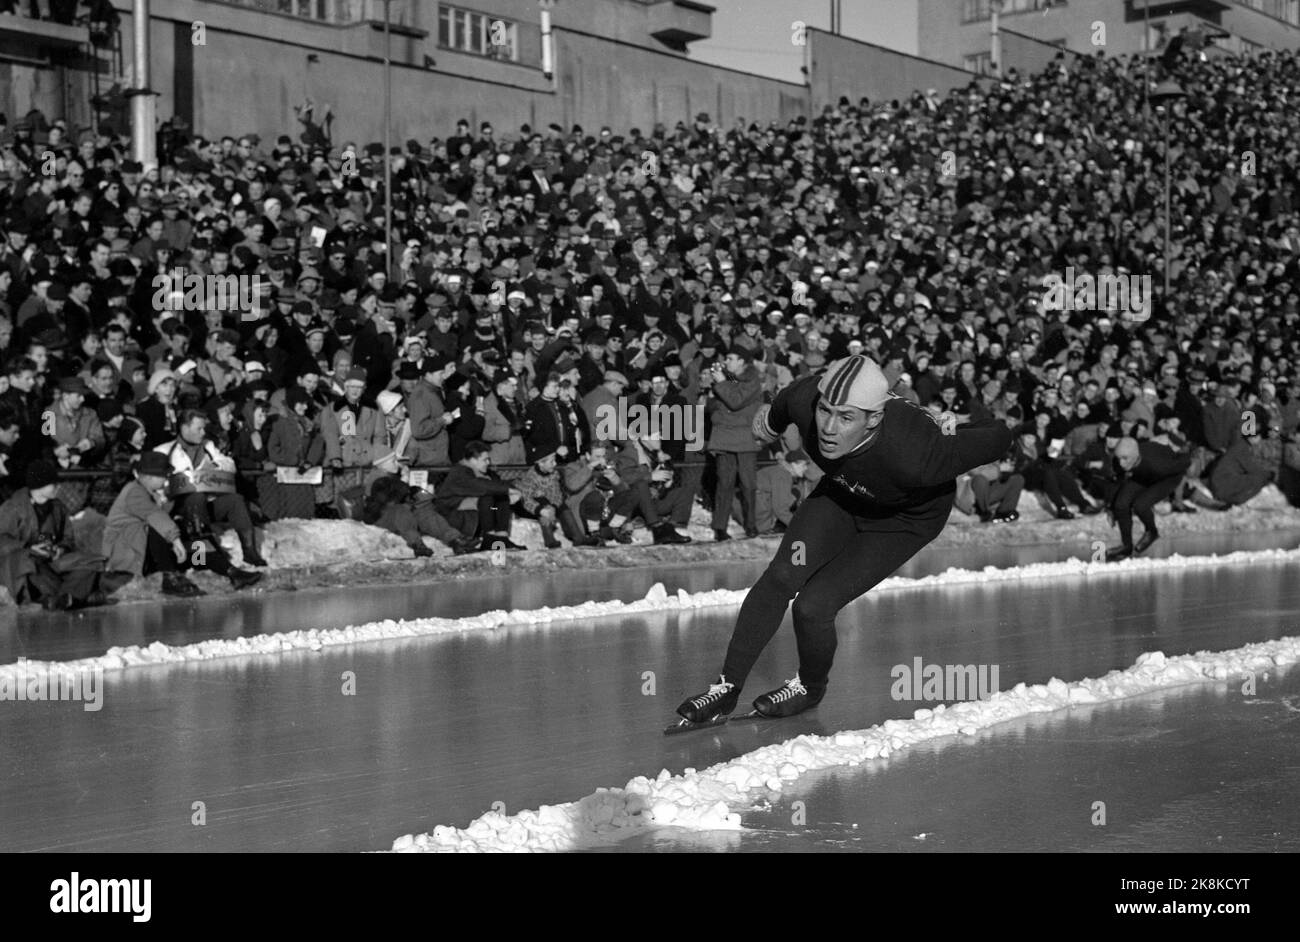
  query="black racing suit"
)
[{"x": 872, "y": 511}]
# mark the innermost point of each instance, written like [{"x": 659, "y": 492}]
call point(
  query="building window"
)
[
  {"x": 337, "y": 12},
  {"x": 981, "y": 63},
  {"x": 975, "y": 11},
  {"x": 478, "y": 33}
]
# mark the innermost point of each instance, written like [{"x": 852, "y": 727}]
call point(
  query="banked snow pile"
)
[
  {"x": 656, "y": 600},
  {"x": 710, "y": 800}
]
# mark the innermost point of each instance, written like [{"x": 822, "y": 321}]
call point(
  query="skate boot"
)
[
  {"x": 708, "y": 709},
  {"x": 789, "y": 699}
]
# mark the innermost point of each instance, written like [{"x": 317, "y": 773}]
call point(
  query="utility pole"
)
[
  {"x": 388, "y": 144},
  {"x": 144, "y": 134}
]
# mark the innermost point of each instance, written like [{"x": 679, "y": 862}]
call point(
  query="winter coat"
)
[
  {"x": 180, "y": 459},
  {"x": 600, "y": 404},
  {"x": 552, "y": 423},
  {"x": 159, "y": 425},
  {"x": 429, "y": 446},
  {"x": 359, "y": 450},
  {"x": 733, "y": 406},
  {"x": 1222, "y": 424},
  {"x": 125, "y": 534},
  {"x": 461, "y": 482},
  {"x": 20, "y": 529},
  {"x": 501, "y": 430},
  {"x": 70, "y": 429},
  {"x": 1238, "y": 475},
  {"x": 539, "y": 490},
  {"x": 294, "y": 441}
]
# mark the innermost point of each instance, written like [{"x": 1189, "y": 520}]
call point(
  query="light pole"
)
[
  {"x": 995, "y": 38},
  {"x": 143, "y": 133},
  {"x": 1165, "y": 94},
  {"x": 388, "y": 145}
]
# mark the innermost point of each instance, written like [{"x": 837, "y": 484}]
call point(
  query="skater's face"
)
[{"x": 840, "y": 429}]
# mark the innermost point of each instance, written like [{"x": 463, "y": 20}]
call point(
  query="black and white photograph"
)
[{"x": 654, "y": 427}]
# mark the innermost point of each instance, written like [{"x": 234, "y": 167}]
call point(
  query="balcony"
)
[
  {"x": 33, "y": 42},
  {"x": 1204, "y": 7},
  {"x": 678, "y": 22}
]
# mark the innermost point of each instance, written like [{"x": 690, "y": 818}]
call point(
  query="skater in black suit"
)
[{"x": 890, "y": 475}]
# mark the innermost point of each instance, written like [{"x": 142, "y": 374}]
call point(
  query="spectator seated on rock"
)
[
  {"x": 202, "y": 488},
  {"x": 409, "y": 512},
  {"x": 39, "y": 560},
  {"x": 542, "y": 499},
  {"x": 141, "y": 537},
  {"x": 477, "y": 502}
]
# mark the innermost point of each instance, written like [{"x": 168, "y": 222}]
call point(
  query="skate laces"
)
[
  {"x": 793, "y": 687},
  {"x": 716, "y": 692}
]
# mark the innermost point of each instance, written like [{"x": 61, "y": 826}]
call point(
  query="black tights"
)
[{"x": 824, "y": 563}]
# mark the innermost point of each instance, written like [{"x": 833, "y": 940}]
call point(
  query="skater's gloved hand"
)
[
  {"x": 948, "y": 423},
  {"x": 178, "y": 548},
  {"x": 760, "y": 427}
]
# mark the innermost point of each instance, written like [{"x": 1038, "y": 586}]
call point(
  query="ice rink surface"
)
[{"x": 442, "y": 728}]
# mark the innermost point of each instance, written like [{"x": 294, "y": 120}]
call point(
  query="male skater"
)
[{"x": 890, "y": 476}]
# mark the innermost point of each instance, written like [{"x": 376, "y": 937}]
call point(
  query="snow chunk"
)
[{"x": 704, "y": 800}]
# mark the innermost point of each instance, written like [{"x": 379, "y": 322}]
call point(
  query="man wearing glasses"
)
[{"x": 890, "y": 474}]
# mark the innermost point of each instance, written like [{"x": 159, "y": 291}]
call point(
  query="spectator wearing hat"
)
[
  {"x": 375, "y": 348},
  {"x": 1222, "y": 417},
  {"x": 140, "y": 536},
  {"x": 295, "y": 442},
  {"x": 422, "y": 387},
  {"x": 160, "y": 411},
  {"x": 503, "y": 426},
  {"x": 781, "y": 488},
  {"x": 127, "y": 444},
  {"x": 591, "y": 366},
  {"x": 542, "y": 499},
  {"x": 76, "y": 437},
  {"x": 198, "y": 510},
  {"x": 354, "y": 433},
  {"x": 603, "y": 401},
  {"x": 39, "y": 560},
  {"x": 663, "y": 400},
  {"x": 735, "y": 395},
  {"x": 395, "y": 456},
  {"x": 477, "y": 502},
  {"x": 554, "y": 424}
]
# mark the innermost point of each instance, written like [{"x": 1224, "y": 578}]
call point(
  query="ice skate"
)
[
  {"x": 790, "y": 699},
  {"x": 708, "y": 709}
]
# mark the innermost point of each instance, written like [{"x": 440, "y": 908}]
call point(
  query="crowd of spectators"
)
[{"x": 541, "y": 278}]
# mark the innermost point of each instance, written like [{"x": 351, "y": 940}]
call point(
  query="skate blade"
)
[
  {"x": 755, "y": 715},
  {"x": 686, "y": 726}
]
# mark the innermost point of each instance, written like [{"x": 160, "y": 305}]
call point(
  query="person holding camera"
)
[
  {"x": 39, "y": 561},
  {"x": 734, "y": 399}
]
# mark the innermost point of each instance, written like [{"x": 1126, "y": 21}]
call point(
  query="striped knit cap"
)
[{"x": 855, "y": 381}]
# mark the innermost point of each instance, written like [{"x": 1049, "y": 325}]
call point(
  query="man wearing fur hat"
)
[{"x": 889, "y": 480}]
